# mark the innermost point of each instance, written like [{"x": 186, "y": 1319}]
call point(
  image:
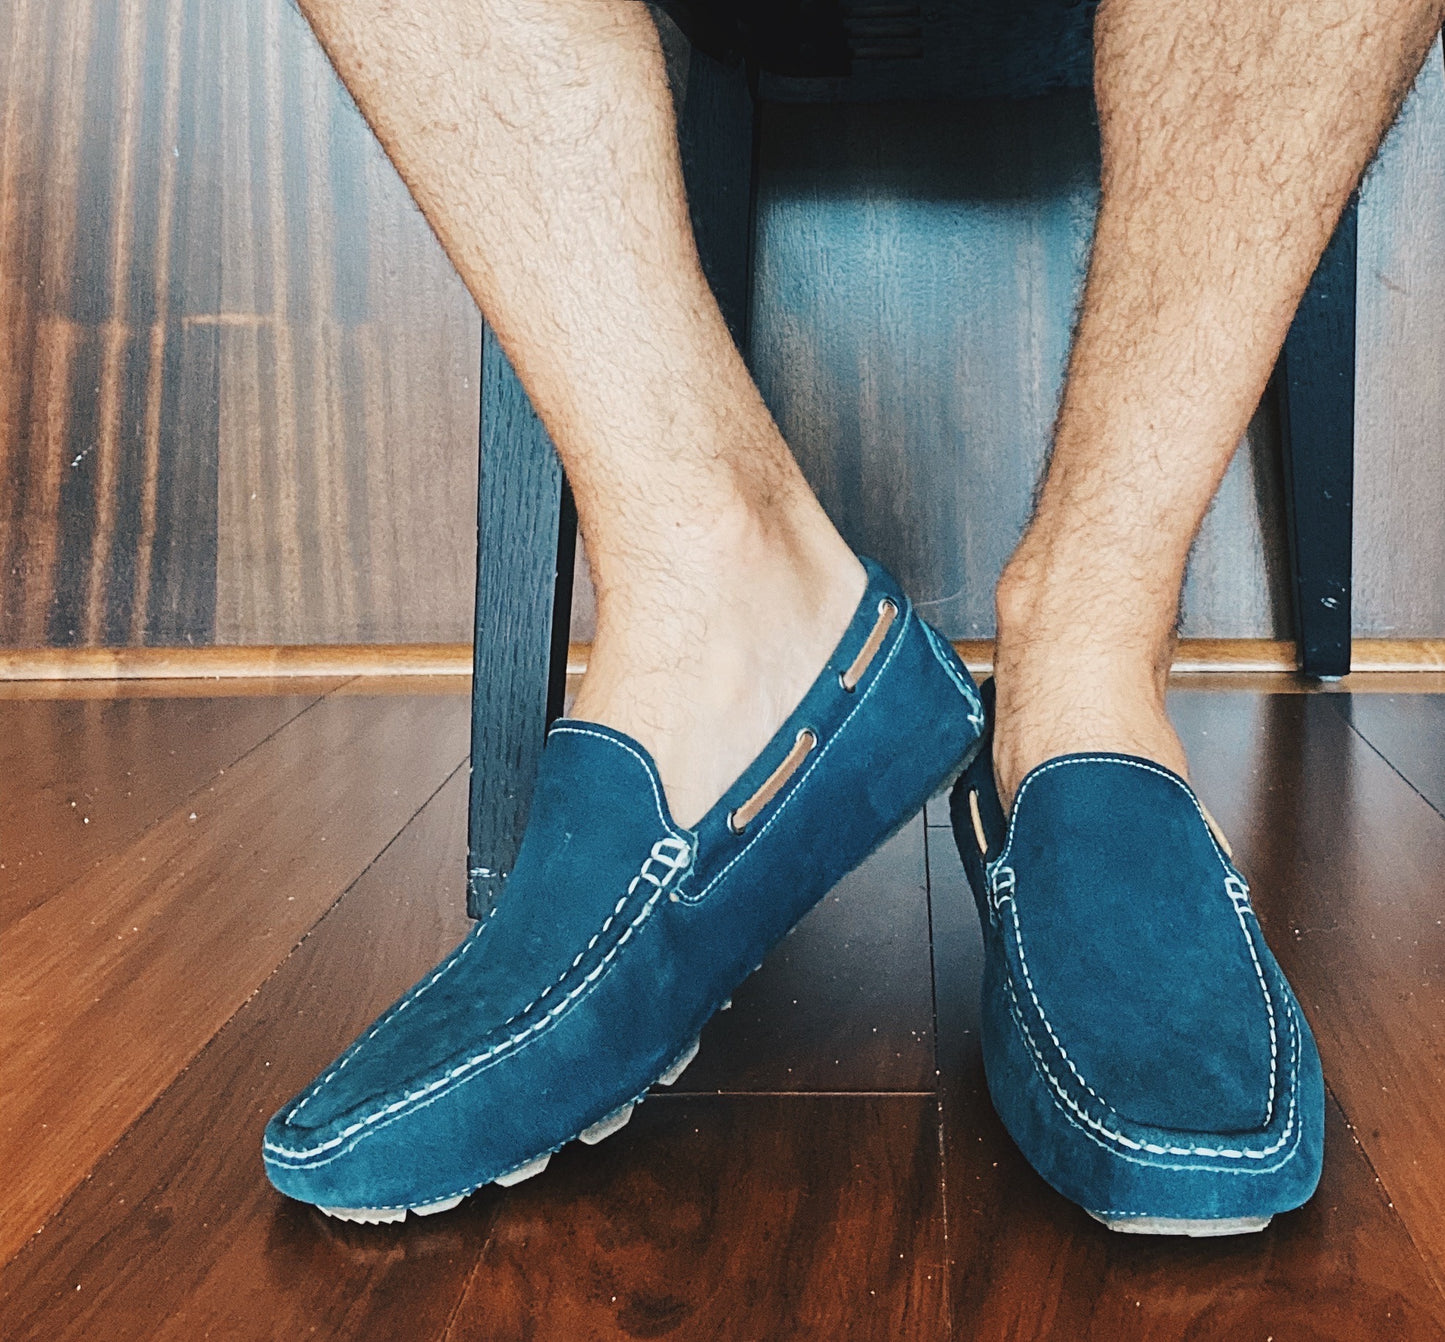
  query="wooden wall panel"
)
[
  {"x": 238, "y": 376},
  {"x": 918, "y": 271},
  {"x": 108, "y": 221},
  {"x": 349, "y": 357},
  {"x": 1400, "y": 378}
]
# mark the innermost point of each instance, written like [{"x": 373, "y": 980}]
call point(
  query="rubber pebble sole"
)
[
  {"x": 680, "y": 1066},
  {"x": 605, "y": 1127},
  {"x": 365, "y": 1216},
  {"x": 1195, "y": 1229},
  {"x": 523, "y": 1171},
  {"x": 598, "y": 1131}
]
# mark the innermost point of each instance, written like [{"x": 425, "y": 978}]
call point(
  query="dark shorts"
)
[{"x": 995, "y": 48}]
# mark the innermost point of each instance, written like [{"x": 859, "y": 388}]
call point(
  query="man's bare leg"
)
[
  {"x": 538, "y": 138},
  {"x": 1232, "y": 138}
]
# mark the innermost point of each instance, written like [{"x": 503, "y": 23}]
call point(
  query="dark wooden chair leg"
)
[
  {"x": 1316, "y": 385},
  {"x": 527, "y": 521},
  {"x": 562, "y": 604},
  {"x": 717, "y": 134},
  {"x": 524, "y": 565}
]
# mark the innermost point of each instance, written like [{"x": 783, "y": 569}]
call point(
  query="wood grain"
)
[
  {"x": 1028, "y": 1264},
  {"x": 190, "y": 687},
  {"x": 723, "y": 1219},
  {"x": 83, "y": 778},
  {"x": 845, "y": 1003},
  {"x": 269, "y": 662},
  {"x": 349, "y": 353},
  {"x": 108, "y": 226},
  {"x": 1409, "y": 732},
  {"x": 114, "y": 983},
  {"x": 742, "y": 1215},
  {"x": 1346, "y": 860},
  {"x": 265, "y": 661},
  {"x": 178, "y": 1233},
  {"x": 238, "y": 379},
  {"x": 237, "y": 375}
]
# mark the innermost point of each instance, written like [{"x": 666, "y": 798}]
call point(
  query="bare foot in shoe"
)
[{"x": 703, "y": 663}]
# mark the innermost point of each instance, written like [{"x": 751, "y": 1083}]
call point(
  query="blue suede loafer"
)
[
  {"x": 619, "y": 933},
  {"x": 1142, "y": 1046}
]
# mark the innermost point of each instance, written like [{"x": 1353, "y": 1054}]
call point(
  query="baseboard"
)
[
  {"x": 243, "y": 663},
  {"x": 1239, "y": 655},
  {"x": 1195, "y": 656}
]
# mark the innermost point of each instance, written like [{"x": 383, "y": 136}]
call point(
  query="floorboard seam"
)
[
  {"x": 141, "y": 833},
  {"x": 1390, "y": 764},
  {"x": 447, "y": 1329},
  {"x": 1394, "y": 1209},
  {"x": 940, "y": 1114}
]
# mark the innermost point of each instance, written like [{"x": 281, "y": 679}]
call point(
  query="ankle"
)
[
  {"x": 1054, "y": 608},
  {"x": 1080, "y": 665},
  {"x": 728, "y": 570},
  {"x": 701, "y": 661}
]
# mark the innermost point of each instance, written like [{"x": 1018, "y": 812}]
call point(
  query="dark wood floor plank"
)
[
  {"x": 1347, "y": 862},
  {"x": 707, "y": 1217},
  {"x": 1026, "y": 1263},
  {"x": 724, "y": 1219},
  {"x": 114, "y": 984},
  {"x": 845, "y": 1003},
  {"x": 178, "y": 1234},
  {"x": 84, "y": 777},
  {"x": 1409, "y": 731},
  {"x": 743, "y": 1215}
]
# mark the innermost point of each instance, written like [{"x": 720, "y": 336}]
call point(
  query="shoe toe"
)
[{"x": 1142, "y": 1045}]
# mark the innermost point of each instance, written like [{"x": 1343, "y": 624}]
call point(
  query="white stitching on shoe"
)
[
  {"x": 416, "y": 991},
  {"x": 1235, "y": 886},
  {"x": 1028, "y": 980},
  {"x": 689, "y": 898},
  {"x": 673, "y": 864},
  {"x": 1222, "y": 1153},
  {"x": 945, "y": 660},
  {"x": 1001, "y": 897},
  {"x": 502, "y": 1174},
  {"x": 476, "y": 932},
  {"x": 663, "y": 818},
  {"x": 1238, "y": 892},
  {"x": 1107, "y": 759},
  {"x": 443, "y": 1086}
]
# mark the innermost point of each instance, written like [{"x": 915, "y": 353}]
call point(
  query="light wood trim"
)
[
  {"x": 1235, "y": 655},
  {"x": 1195, "y": 656},
  {"x": 380, "y": 659}
]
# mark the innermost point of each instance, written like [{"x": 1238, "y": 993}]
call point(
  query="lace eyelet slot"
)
[
  {"x": 742, "y": 816},
  {"x": 887, "y": 613},
  {"x": 973, "y": 813}
]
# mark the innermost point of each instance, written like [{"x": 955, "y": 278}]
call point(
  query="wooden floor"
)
[{"x": 203, "y": 897}]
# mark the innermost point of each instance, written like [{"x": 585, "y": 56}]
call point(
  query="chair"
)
[{"x": 822, "y": 50}]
